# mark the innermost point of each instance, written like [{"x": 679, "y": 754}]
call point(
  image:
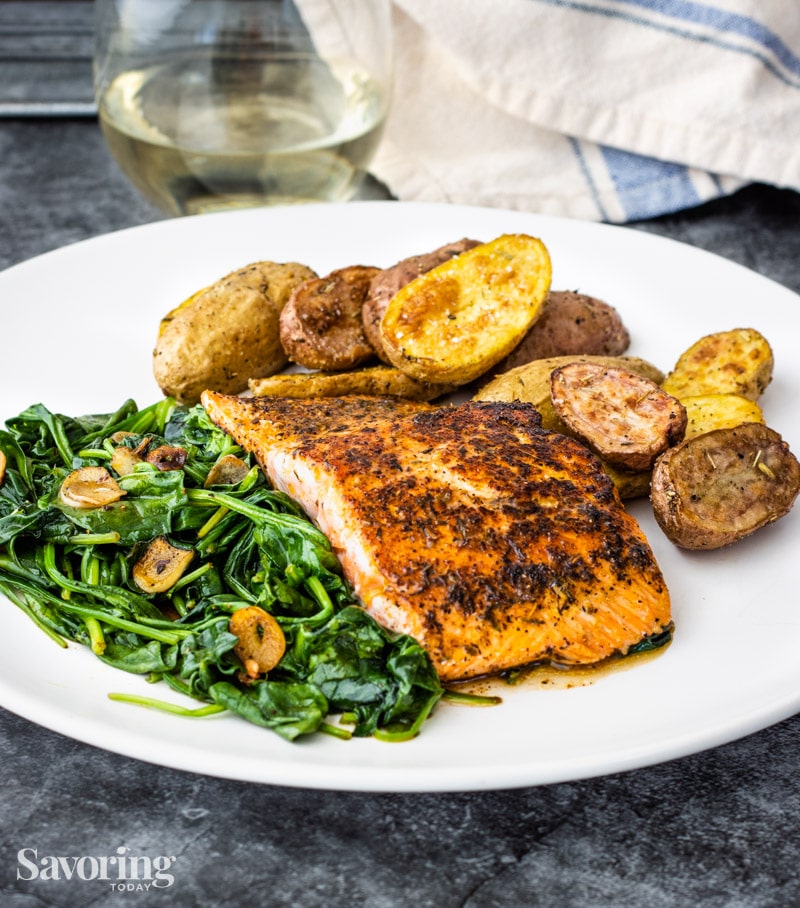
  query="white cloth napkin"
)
[{"x": 610, "y": 110}]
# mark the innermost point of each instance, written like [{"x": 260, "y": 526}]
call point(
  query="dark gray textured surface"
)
[{"x": 715, "y": 829}]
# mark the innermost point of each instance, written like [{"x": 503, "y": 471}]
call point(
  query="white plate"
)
[{"x": 79, "y": 325}]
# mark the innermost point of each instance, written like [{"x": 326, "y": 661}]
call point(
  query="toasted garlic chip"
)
[
  {"x": 261, "y": 641},
  {"x": 124, "y": 460},
  {"x": 229, "y": 470},
  {"x": 161, "y": 566},
  {"x": 167, "y": 457},
  {"x": 90, "y": 487}
]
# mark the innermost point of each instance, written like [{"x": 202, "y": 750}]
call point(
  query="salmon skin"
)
[{"x": 493, "y": 542}]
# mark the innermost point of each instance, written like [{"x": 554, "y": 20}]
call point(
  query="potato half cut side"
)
[
  {"x": 625, "y": 418},
  {"x": 719, "y": 487},
  {"x": 456, "y": 321}
]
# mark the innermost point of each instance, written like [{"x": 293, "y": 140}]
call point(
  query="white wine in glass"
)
[{"x": 216, "y": 104}]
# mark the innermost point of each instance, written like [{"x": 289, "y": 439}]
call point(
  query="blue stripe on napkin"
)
[
  {"x": 721, "y": 29},
  {"x": 647, "y": 187},
  {"x": 724, "y": 21}
]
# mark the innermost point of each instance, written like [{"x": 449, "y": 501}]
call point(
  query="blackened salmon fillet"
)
[{"x": 493, "y": 542}]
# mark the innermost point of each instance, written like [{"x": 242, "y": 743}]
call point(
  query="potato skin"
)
[
  {"x": 321, "y": 326},
  {"x": 570, "y": 323},
  {"x": 719, "y": 487},
  {"x": 389, "y": 280},
  {"x": 227, "y": 333}
]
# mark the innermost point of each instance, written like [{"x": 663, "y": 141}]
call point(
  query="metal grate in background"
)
[{"x": 46, "y": 58}]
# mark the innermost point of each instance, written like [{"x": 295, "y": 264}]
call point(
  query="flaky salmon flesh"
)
[{"x": 493, "y": 542}]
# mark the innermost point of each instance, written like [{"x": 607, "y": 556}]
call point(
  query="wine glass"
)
[{"x": 218, "y": 104}]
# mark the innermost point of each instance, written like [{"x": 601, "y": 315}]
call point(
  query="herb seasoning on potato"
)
[
  {"x": 226, "y": 334},
  {"x": 719, "y": 487},
  {"x": 321, "y": 327}
]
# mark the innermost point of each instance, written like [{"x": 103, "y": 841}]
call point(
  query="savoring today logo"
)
[{"x": 123, "y": 871}]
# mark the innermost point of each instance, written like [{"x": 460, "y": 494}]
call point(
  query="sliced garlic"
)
[
  {"x": 261, "y": 640},
  {"x": 229, "y": 470},
  {"x": 167, "y": 457},
  {"x": 90, "y": 487},
  {"x": 124, "y": 460},
  {"x": 161, "y": 566}
]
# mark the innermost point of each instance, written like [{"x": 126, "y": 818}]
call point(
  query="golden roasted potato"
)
[
  {"x": 389, "y": 280},
  {"x": 727, "y": 362},
  {"x": 716, "y": 488},
  {"x": 459, "y": 319},
  {"x": 227, "y": 333},
  {"x": 320, "y": 325},
  {"x": 629, "y": 484},
  {"x": 706, "y": 412},
  {"x": 373, "y": 381}
]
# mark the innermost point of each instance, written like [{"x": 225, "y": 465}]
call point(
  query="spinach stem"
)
[
  {"x": 209, "y": 709},
  {"x": 335, "y": 731},
  {"x": 466, "y": 699},
  {"x": 111, "y": 538},
  {"x": 96, "y": 638}
]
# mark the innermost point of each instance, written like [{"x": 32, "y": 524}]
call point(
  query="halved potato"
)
[
  {"x": 718, "y": 487},
  {"x": 388, "y": 281},
  {"x": 727, "y": 362},
  {"x": 571, "y": 323},
  {"x": 456, "y": 321},
  {"x": 321, "y": 326},
  {"x": 626, "y": 419},
  {"x": 531, "y": 382}
]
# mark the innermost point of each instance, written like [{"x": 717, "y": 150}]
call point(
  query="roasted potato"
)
[
  {"x": 389, "y": 280},
  {"x": 716, "y": 488},
  {"x": 320, "y": 325},
  {"x": 570, "y": 323},
  {"x": 728, "y": 362},
  {"x": 629, "y": 484},
  {"x": 706, "y": 412},
  {"x": 373, "y": 381},
  {"x": 531, "y": 382},
  {"x": 227, "y": 333},
  {"x": 626, "y": 419},
  {"x": 459, "y": 319}
]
